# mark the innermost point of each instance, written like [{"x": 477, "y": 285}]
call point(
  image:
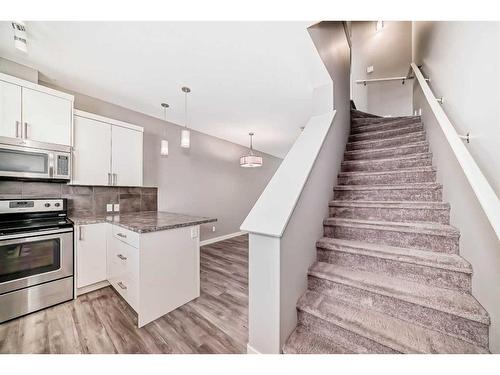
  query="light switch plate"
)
[
  {"x": 116, "y": 207},
  {"x": 369, "y": 69},
  {"x": 195, "y": 232},
  {"x": 109, "y": 207}
]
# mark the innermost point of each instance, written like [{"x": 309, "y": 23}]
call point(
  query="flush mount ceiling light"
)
[
  {"x": 251, "y": 160},
  {"x": 164, "y": 142},
  {"x": 20, "y": 36},
  {"x": 379, "y": 26},
  {"x": 185, "y": 134}
]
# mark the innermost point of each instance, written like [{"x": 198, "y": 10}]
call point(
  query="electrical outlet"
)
[
  {"x": 195, "y": 232},
  {"x": 369, "y": 69},
  {"x": 213, "y": 228},
  {"x": 109, "y": 207},
  {"x": 116, "y": 207}
]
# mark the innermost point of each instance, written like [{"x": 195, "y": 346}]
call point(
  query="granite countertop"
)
[{"x": 144, "y": 221}]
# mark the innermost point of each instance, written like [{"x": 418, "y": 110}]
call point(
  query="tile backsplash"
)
[{"x": 84, "y": 199}]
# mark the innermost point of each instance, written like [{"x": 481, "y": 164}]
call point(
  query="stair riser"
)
[
  {"x": 390, "y": 178},
  {"x": 383, "y": 143},
  {"x": 366, "y": 121},
  {"x": 392, "y": 214},
  {"x": 413, "y": 272},
  {"x": 385, "y": 165},
  {"x": 341, "y": 336},
  {"x": 384, "y": 126},
  {"x": 412, "y": 240},
  {"x": 370, "y": 136},
  {"x": 384, "y": 154},
  {"x": 417, "y": 195},
  {"x": 456, "y": 326}
]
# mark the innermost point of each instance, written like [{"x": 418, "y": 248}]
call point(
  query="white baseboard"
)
[
  {"x": 221, "y": 238},
  {"x": 91, "y": 288},
  {"x": 251, "y": 350}
]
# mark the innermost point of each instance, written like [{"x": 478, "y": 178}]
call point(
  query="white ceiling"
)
[{"x": 244, "y": 76}]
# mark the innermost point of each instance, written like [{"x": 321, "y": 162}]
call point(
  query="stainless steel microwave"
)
[{"x": 34, "y": 160}]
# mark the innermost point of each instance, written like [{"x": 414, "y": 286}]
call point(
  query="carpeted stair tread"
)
[
  {"x": 373, "y": 144},
  {"x": 302, "y": 341},
  {"x": 368, "y": 128},
  {"x": 394, "y": 333},
  {"x": 450, "y": 262},
  {"x": 419, "y": 156},
  {"x": 377, "y": 173},
  {"x": 391, "y": 204},
  {"x": 449, "y": 301},
  {"x": 390, "y": 151},
  {"x": 427, "y": 228},
  {"x": 387, "y": 133},
  {"x": 421, "y": 185},
  {"x": 363, "y": 121}
]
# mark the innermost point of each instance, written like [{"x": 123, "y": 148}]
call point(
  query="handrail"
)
[
  {"x": 272, "y": 211},
  {"x": 483, "y": 190},
  {"x": 365, "y": 81}
]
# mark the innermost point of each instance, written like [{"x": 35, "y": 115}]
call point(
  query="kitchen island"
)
[{"x": 152, "y": 258}]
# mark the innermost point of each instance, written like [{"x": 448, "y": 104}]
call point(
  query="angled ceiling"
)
[{"x": 244, "y": 76}]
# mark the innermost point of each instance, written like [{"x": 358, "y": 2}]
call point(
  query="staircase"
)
[{"x": 388, "y": 276}]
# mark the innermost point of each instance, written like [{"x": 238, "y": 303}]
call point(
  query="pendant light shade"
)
[
  {"x": 251, "y": 160},
  {"x": 185, "y": 138},
  {"x": 185, "y": 134},
  {"x": 164, "y": 142}
]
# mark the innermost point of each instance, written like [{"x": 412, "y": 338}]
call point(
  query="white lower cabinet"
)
[
  {"x": 90, "y": 254},
  {"x": 154, "y": 272}
]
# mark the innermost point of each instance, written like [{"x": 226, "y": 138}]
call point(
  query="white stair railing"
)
[{"x": 482, "y": 189}]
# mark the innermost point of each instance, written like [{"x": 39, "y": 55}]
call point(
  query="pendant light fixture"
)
[
  {"x": 251, "y": 160},
  {"x": 185, "y": 133},
  {"x": 164, "y": 142}
]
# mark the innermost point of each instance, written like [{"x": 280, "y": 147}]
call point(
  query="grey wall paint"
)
[
  {"x": 389, "y": 51},
  {"x": 205, "y": 180},
  {"x": 298, "y": 244},
  {"x": 461, "y": 58}
]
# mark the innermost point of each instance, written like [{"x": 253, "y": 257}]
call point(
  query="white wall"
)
[
  {"x": 389, "y": 51},
  {"x": 461, "y": 58}
]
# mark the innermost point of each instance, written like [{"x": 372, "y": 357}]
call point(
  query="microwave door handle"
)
[
  {"x": 51, "y": 165},
  {"x": 25, "y": 130}
]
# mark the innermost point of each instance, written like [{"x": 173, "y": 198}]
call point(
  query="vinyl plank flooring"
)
[{"x": 102, "y": 322}]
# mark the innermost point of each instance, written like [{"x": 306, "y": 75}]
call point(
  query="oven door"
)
[{"x": 31, "y": 260}]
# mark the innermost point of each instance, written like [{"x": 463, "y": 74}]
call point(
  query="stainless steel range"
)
[{"x": 36, "y": 255}]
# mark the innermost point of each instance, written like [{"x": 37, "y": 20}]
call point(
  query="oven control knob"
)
[
  {"x": 47, "y": 204},
  {"x": 57, "y": 204}
]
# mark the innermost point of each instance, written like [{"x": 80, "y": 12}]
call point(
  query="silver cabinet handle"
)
[
  {"x": 121, "y": 235},
  {"x": 80, "y": 234},
  {"x": 121, "y": 285},
  {"x": 109, "y": 178},
  {"x": 115, "y": 178},
  {"x": 25, "y": 130},
  {"x": 121, "y": 257},
  {"x": 17, "y": 130}
]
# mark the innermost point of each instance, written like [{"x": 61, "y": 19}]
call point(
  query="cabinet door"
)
[
  {"x": 90, "y": 254},
  {"x": 92, "y": 152},
  {"x": 126, "y": 158},
  {"x": 10, "y": 110},
  {"x": 46, "y": 118}
]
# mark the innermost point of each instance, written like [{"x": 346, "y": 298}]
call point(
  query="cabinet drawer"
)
[
  {"x": 126, "y": 236},
  {"x": 128, "y": 288}
]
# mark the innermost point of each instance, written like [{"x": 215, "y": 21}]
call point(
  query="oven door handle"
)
[{"x": 32, "y": 234}]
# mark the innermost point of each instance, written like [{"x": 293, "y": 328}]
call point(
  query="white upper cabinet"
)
[
  {"x": 34, "y": 112},
  {"x": 126, "y": 159},
  {"x": 46, "y": 118},
  {"x": 106, "y": 151},
  {"x": 10, "y": 110},
  {"x": 92, "y": 152}
]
